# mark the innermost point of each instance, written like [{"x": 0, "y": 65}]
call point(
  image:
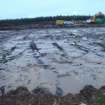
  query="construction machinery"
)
[{"x": 99, "y": 18}]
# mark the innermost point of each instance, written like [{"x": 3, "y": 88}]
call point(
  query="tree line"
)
[{"x": 40, "y": 20}]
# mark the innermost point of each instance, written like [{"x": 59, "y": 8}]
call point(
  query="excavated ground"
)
[{"x": 60, "y": 60}]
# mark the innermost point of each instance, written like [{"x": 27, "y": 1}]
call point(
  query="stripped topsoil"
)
[
  {"x": 62, "y": 60},
  {"x": 59, "y": 61},
  {"x": 40, "y": 96}
]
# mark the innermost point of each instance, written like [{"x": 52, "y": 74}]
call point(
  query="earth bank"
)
[{"x": 39, "y": 96}]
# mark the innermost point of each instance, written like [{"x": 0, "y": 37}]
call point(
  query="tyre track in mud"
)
[
  {"x": 38, "y": 44},
  {"x": 41, "y": 63},
  {"x": 37, "y": 55},
  {"x": 87, "y": 50}
]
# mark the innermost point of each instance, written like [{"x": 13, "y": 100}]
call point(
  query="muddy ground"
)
[{"x": 60, "y": 60}]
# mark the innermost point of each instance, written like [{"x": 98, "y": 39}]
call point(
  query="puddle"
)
[{"x": 70, "y": 84}]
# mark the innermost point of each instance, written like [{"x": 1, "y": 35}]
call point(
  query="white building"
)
[{"x": 68, "y": 23}]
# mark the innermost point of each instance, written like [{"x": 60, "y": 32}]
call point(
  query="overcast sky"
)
[{"x": 36, "y": 8}]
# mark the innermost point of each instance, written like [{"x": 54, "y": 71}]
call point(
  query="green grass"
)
[{"x": 100, "y": 99}]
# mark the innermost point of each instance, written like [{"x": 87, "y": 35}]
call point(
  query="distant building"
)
[
  {"x": 68, "y": 23},
  {"x": 60, "y": 22},
  {"x": 64, "y": 23},
  {"x": 89, "y": 21}
]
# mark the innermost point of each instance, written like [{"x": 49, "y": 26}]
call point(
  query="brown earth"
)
[{"x": 21, "y": 96}]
